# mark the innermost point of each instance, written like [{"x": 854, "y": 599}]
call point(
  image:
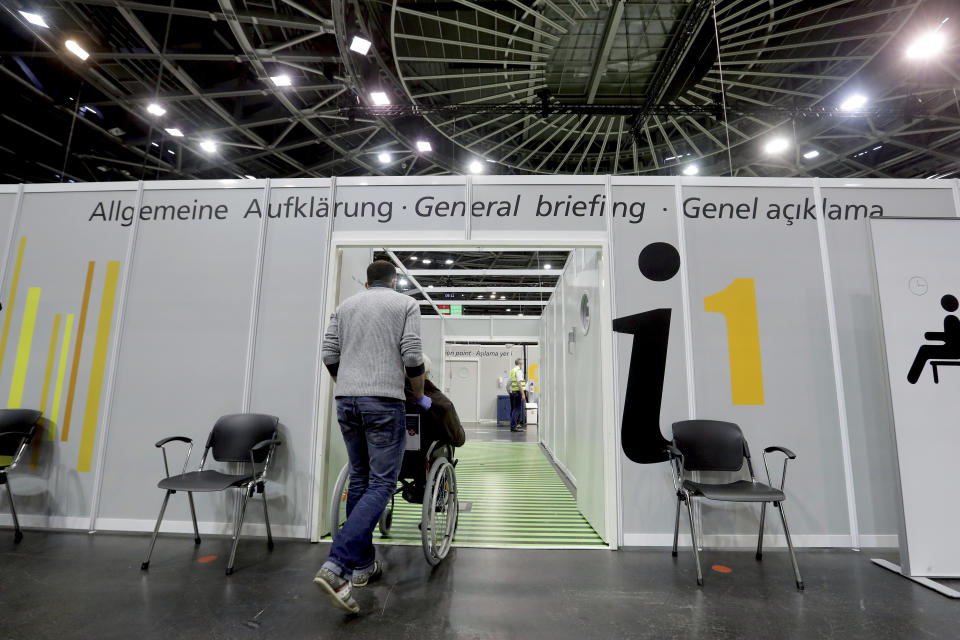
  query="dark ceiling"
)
[{"x": 532, "y": 86}]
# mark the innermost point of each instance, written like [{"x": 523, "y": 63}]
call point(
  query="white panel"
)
[
  {"x": 917, "y": 268},
  {"x": 868, "y": 411},
  {"x": 285, "y": 358},
  {"x": 182, "y": 361}
]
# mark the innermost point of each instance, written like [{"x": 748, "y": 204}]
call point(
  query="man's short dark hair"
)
[{"x": 381, "y": 271}]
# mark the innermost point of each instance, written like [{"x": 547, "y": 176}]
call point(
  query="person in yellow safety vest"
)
[{"x": 518, "y": 397}]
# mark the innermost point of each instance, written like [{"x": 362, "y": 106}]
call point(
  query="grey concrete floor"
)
[{"x": 75, "y": 585}]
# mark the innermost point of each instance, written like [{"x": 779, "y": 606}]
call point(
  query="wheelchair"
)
[{"x": 427, "y": 477}]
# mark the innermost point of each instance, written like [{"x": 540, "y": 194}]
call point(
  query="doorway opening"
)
[{"x": 483, "y": 309}]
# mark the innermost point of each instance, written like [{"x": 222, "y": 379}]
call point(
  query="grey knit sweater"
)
[{"x": 372, "y": 338}]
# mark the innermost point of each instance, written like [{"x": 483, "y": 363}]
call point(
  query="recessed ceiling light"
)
[
  {"x": 404, "y": 282},
  {"x": 927, "y": 46},
  {"x": 208, "y": 145},
  {"x": 503, "y": 297},
  {"x": 426, "y": 261},
  {"x": 360, "y": 45},
  {"x": 379, "y": 98},
  {"x": 777, "y": 145},
  {"x": 156, "y": 109},
  {"x": 476, "y": 167},
  {"x": 810, "y": 155},
  {"x": 479, "y": 297},
  {"x": 384, "y": 158},
  {"x": 493, "y": 296},
  {"x": 35, "y": 18},
  {"x": 548, "y": 266},
  {"x": 176, "y": 133},
  {"x": 171, "y": 152},
  {"x": 154, "y": 144},
  {"x": 854, "y": 102},
  {"x": 76, "y": 49},
  {"x": 283, "y": 80},
  {"x": 424, "y": 146},
  {"x": 691, "y": 170},
  {"x": 448, "y": 261},
  {"x": 429, "y": 286},
  {"x": 508, "y": 309},
  {"x": 414, "y": 258}
]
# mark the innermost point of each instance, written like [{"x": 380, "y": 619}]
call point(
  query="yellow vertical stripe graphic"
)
[
  {"x": 92, "y": 411},
  {"x": 48, "y": 372},
  {"x": 23, "y": 348},
  {"x": 12, "y": 300},
  {"x": 77, "y": 351},
  {"x": 61, "y": 372}
]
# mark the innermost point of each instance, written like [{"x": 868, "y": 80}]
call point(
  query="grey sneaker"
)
[
  {"x": 337, "y": 588},
  {"x": 363, "y": 579}
]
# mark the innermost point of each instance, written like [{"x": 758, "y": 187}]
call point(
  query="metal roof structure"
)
[{"x": 625, "y": 87}]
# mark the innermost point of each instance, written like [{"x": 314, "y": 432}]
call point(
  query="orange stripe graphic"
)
[
  {"x": 65, "y": 430},
  {"x": 46, "y": 389},
  {"x": 12, "y": 300},
  {"x": 92, "y": 410}
]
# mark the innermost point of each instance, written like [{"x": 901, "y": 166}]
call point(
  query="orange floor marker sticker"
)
[
  {"x": 719, "y": 568},
  {"x": 206, "y": 559}
]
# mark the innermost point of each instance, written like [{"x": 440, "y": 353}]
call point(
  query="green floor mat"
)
[{"x": 510, "y": 496}]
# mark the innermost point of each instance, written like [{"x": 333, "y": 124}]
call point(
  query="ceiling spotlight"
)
[
  {"x": 384, "y": 158},
  {"x": 156, "y": 109},
  {"x": 176, "y": 133},
  {"x": 424, "y": 146},
  {"x": 76, "y": 50},
  {"x": 503, "y": 297},
  {"x": 448, "y": 261},
  {"x": 493, "y": 296},
  {"x": 925, "y": 47},
  {"x": 414, "y": 258},
  {"x": 508, "y": 308},
  {"x": 777, "y": 145},
  {"x": 171, "y": 152},
  {"x": 154, "y": 144},
  {"x": 476, "y": 167},
  {"x": 404, "y": 282},
  {"x": 379, "y": 98},
  {"x": 281, "y": 80},
  {"x": 479, "y": 297},
  {"x": 691, "y": 170},
  {"x": 810, "y": 155},
  {"x": 426, "y": 261},
  {"x": 208, "y": 145},
  {"x": 854, "y": 102},
  {"x": 360, "y": 45},
  {"x": 35, "y": 18},
  {"x": 547, "y": 266},
  {"x": 429, "y": 286}
]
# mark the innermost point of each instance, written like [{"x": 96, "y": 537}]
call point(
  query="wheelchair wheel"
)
[
  {"x": 337, "y": 514},
  {"x": 386, "y": 520},
  {"x": 440, "y": 511}
]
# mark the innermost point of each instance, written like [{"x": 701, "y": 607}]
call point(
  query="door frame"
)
[
  {"x": 439, "y": 240},
  {"x": 466, "y": 359}
]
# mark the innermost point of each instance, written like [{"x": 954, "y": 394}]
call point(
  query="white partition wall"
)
[{"x": 134, "y": 311}]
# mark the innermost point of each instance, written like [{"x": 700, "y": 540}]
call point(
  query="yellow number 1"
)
[{"x": 738, "y": 304}]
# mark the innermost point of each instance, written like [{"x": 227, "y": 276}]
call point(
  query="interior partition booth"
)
[{"x": 136, "y": 311}]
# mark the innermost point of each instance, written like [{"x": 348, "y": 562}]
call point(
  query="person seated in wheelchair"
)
[{"x": 439, "y": 424}]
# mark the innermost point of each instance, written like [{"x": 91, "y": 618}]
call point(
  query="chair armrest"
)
[
  {"x": 783, "y": 450},
  {"x": 673, "y": 451},
  {"x": 173, "y": 439},
  {"x": 790, "y": 455},
  {"x": 265, "y": 443}
]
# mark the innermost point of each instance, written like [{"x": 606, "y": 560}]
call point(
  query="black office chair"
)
[
  {"x": 17, "y": 428},
  {"x": 711, "y": 445},
  {"x": 248, "y": 438}
]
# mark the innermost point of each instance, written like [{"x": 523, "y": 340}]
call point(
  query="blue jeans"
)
[
  {"x": 517, "y": 408},
  {"x": 375, "y": 433}
]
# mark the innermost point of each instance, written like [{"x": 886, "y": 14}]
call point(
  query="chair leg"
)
[
  {"x": 146, "y": 563},
  {"x": 693, "y": 539},
  {"x": 17, "y": 533},
  {"x": 193, "y": 514},
  {"x": 676, "y": 526},
  {"x": 236, "y": 533},
  {"x": 793, "y": 557},
  {"x": 266, "y": 518},
  {"x": 763, "y": 515}
]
